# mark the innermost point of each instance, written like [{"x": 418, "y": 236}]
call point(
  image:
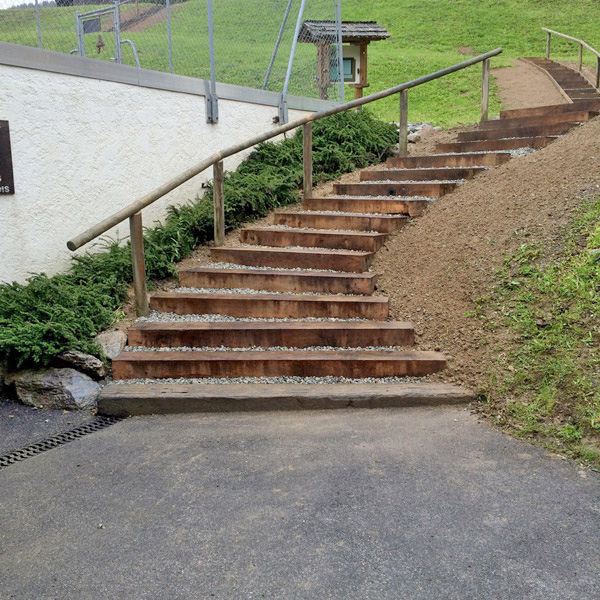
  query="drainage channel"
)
[{"x": 98, "y": 423}]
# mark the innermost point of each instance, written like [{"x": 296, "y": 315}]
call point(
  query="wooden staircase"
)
[
  {"x": 296, "y": 299},
  {"x": 572, "y": 84}
]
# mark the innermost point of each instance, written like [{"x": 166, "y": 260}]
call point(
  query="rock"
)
[
  {"x": 86, "y": 363},
  {"x": 55, "y": 388},
  {"x": 413, "y": 138},
  {"x": 111, "y": 342}
]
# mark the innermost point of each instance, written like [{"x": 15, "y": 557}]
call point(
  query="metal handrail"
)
[
  {"x": 215, "y": 160},
  {"x": 582, "y": 45}
]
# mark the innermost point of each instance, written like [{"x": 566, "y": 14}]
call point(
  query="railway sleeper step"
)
[
  {"x": 353, "y": 221},
  {"x": 398, "y": 206}
]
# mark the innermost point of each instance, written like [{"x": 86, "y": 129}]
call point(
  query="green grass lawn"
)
[{"x": 425, "y": 36}]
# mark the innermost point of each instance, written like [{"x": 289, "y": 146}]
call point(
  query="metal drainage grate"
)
[{"x": 57, "y": 440}]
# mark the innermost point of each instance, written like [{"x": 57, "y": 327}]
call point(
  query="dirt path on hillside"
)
[
  {"x": 524, "y": 86},
  {"x": 436, "y": 267}
]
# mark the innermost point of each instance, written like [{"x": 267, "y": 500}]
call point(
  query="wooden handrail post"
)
[
  {"x": 307, "y": 163},
  {"x": 548, "y": 36},
  {"x": 138, "y": 265},
  {"x": 219, "y": 203},
  {"x": 485, "y": 89},
  {"x": 403, "y": 124},
  {"x": 597, "y": 71},
  {"x": 580, "y": 57}
]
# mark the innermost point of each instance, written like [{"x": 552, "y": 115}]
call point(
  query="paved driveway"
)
[{"x": 405, "y": 504}]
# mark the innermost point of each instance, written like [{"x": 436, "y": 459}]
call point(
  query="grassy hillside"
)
[{"x": 425, "y": 36}]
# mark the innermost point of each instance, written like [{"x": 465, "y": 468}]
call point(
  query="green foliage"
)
[
  {"x": 48, "y": 315},
  {"x": 548, "y": 386},
  {"x": 424, "y": 37}
]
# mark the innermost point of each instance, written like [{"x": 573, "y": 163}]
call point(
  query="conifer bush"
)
[{"x": 47, "y": 315}]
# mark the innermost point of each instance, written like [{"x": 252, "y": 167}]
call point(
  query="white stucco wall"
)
[{"x": 83, "y": 148}]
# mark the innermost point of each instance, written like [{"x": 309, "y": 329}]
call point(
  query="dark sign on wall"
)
[{"x": 7, "y": 181}]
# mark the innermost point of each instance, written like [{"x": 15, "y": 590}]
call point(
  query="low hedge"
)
[{"x": 47, "y": 315}]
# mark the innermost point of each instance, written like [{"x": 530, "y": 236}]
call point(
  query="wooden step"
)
[
  {"x": 592, "y": 105},
  {"x": 515, "y": 132},
  {"x": 426, "y": 188},
  {"x": 536, "y": 120},
  {"x": 303, "y": 363},
  {"x": 269, "y": 236},
  {"x": 358, "y": 222},
  {"x": 280, "y": 280},
  {"x": 405, "y": 206},
  {"x": 577, "y": 100},
  {"x": 491, "y": 145},
  {"x": 279, "y": 306},
  {"x": 129, "y": 399},
  {"x": 309, "y": 258},
  {"x": 459, "y": 160},
  {"x": 290, "y": 334},
  {"x": 419, "y": 174}
]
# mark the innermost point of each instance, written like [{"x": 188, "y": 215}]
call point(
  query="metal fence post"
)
[
  {"x": 307, "y": 165},
  {"x": 119, "y": 55},
  {"x": 338, "y": 20},
  {"x": 138, "y": 265},
  {"x": 219, "y": 203},
  {"x": 212, "y": 108},
  {"x": 39, "y": 27},
  {"x": 548, "y": 35},
  {"x": 277, "y": 43},
  {"x": 283, "y": 110},
  {"x": 169, "y": 36},
  {"x": 485, "y": 88},
  {"x": 403, "y": 124},
  {"x": 79, "y": 30}
]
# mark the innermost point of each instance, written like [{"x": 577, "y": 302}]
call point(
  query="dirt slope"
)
[{"x": 434, "y": 268}]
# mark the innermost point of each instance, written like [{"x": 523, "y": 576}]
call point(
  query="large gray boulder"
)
[
  {"x": 86, "y": 363},
  {"x": 111, "y": 342},
  {"x": 55, "y": 388}
]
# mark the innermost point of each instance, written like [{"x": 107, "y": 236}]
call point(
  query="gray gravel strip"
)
[
  {"x": 289, "y": 228},
  {"x": 233, "y": 291},
  {"x": 403, "y": 181},
  {"x": 275, "y": 248},
  {"x": 164, "y": 317},
  {"x": 262, "y": 349},
  {"x": 369, "y": 197},
  {"x": 253, "y": 268},
  {"x": 274, "y": 380}
]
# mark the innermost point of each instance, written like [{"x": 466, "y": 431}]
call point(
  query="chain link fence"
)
[{"x": 253, "y": 39}]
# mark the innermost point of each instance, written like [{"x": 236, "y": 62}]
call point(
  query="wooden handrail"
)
[
  {"x": 134, "y": 208},
  {"x": 582, "y": 45}
]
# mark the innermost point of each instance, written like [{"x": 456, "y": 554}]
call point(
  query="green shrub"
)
[{"x": 48, "y": 315}]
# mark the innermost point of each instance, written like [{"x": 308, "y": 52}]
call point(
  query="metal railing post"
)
[
  {"x": 219, "y": 203},
  {"x": 403, "y": 124},
  {"x": 39, "y": 27},
  {"x": 138, "y": 265},
  {"x": 307, "y": 165},
  {"x": 548, "y": 36},
  {"x": 212, "y": 106},
  {"x": 485, "y": 89},
  {"x": 169, "y": 40},
  {"x": 580, "y": 57}
]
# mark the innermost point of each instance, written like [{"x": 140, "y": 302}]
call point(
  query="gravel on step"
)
[
  {"x": 347, "y": 214},
  {"x": 275, "y": 248},
  {"x": 233, "y": 291},
  {"x": 164, "y": 317},
  {"x": 403, "y": 181},
  {"x": 289, "y": 228},
  {"x": 262, "y": 349},
  {"x": 272, "y": 380},
  {"x": 252, "y": 268},
  {"x": 369, "y": 197}
]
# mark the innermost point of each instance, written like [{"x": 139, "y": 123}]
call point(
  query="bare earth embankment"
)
[{"x": 436, "y": 267}]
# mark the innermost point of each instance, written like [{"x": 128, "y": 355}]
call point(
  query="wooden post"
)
[
  {"x": 362, "y": 73},
  {"x": 580, "y": 57},
  {"x": 548, "y": 35},
  {"x": 219, "y": 203},
  {"x": 485, "y": 88},
  {"x": 403, "y": 124},
  {"x": 598, "y": 72},
  {"x": 138, "y": 265},
  {"x": 307, "y": 159}
]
